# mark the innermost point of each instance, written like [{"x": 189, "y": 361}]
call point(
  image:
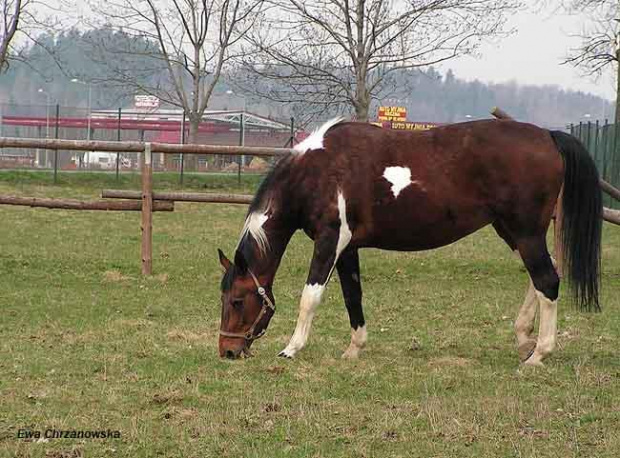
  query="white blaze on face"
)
[
  {"x": 315, "y": 140},
  {"x": 400, "y": 177}
]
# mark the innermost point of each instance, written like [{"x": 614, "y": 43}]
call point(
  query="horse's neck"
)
[
  {"x": 266, "y": 253},
  {"x": 272, "y": 220}
]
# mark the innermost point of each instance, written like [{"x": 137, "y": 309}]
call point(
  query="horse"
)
[{"x": 355, "y": 185}]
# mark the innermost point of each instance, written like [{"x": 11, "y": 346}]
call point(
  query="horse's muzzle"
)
[{"x": 234, "y": 348}]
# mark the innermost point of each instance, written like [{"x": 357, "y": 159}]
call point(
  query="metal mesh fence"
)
[
  {"x": 166, "y": 126},
  {"x": 603, "y": 142}
]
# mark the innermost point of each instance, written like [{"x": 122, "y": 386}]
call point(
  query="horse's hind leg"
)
[
  {"x": 546, "y": 284},
  {"x": 348, "y": 266},
  {"x": 524, "y": 324}
]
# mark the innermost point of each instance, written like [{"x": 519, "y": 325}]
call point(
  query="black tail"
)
[{"x": 582, "y": 208}]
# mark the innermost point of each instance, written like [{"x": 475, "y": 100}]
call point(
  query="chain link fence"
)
[
  {"x": 161, "y": 125},
  {"x": 602, "y": 140}
]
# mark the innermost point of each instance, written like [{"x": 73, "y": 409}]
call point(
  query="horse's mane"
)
[
  {"x": 269, "y": 182},
  {"x": 259, "y": 205}
]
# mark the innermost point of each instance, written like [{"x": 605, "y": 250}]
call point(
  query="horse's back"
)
[{"x": 420, "y": 190}]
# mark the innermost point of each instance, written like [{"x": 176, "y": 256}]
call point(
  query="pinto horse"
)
[{"x": 354, "y": 185}]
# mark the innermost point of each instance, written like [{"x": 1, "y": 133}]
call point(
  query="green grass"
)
[
  {"x": 87, "y": 343},
  {"x": 92, "y": 182}
]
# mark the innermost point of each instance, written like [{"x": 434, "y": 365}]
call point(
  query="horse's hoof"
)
[
  {"x": 286, "y": 354},
  {"x": 526, "y": 350},
  {"x": 350, "y": 354},
  {"x": 533, "y": 362}
]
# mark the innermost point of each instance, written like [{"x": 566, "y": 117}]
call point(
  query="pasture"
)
[{"x": 88, "y": 344}]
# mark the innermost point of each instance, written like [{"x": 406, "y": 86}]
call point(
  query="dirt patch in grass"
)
[
  {"x": 115, "y": 276},
  {"x": 167, "y": 397},
  {"x": 76, "y": 453},
  {"x": 132, "y": 323},
  {"x": 183, "y": 335},
  {"x": 450, "y": 361}
]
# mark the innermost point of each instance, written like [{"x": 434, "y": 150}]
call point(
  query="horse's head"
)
[{"x": 247, "y": 307}]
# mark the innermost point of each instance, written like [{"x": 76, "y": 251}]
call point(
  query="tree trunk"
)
[
  {"x": 362, "y": 101},
  {"x": 617, "y": 116},
  {"x": 191, "y": 161},
  {"x": 361, "y": 112}
]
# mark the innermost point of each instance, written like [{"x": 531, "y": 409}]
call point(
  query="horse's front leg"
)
[
  {"x": 323, "y": 262},
  {"x": 333, "y": 238},
  {"x": 348, "y": 266}
]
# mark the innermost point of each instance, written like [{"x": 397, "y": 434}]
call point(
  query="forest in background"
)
[{"x": 428, "y": 95}]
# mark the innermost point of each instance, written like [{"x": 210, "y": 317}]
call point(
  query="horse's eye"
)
[{"x": 237, "y": 303}]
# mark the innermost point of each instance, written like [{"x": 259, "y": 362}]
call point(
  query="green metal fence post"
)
[
  {"x": 182, "y": 156},
  {"x": 241, "y": 143},
  {"x": 56, "y": 150},
  {"x": 118, "y": 139}
]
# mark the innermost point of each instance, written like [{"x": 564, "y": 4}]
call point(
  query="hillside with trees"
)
[{"x": 427, "y": 94}]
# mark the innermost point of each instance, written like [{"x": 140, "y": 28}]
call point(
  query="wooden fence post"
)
[{"x": 147, "y": 211}]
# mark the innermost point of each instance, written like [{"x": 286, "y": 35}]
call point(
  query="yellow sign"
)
[
  {"x": 413, "y": 125},
  {"x": 393, "y": 114}
]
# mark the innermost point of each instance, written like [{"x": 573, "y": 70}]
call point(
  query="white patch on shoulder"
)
[
  {"x": 315, "y": 140},
  {"x": 400, "y": 177},
  {"x": 254, "y": 226}
]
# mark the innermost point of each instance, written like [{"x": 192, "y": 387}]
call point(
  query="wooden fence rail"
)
[
  {"x": 72, "y": 204},
  {"x": 138, "y": 147},
  {"x": 148, "y": 199},
  {"x": 180, "y": 196}
]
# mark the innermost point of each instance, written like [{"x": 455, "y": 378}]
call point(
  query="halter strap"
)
[{"x": 267, "y": 304}]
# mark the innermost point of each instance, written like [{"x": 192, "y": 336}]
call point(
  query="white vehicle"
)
[{"x": 102, "y": 160}]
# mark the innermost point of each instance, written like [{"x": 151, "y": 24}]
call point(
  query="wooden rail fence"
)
[{"x": 149, "y": 201}]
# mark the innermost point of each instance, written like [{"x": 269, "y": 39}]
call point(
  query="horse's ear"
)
[
  {"x": 240, "y": 263},
  {"x": 226, "y": 264}
]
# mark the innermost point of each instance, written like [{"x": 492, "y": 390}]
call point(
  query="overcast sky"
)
[{"x": 533, "y": 55}]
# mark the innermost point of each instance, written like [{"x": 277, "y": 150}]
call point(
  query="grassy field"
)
[{"x": 88, "y": 344}]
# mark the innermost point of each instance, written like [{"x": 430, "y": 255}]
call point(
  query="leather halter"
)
[{"x": 267, "y": 304}]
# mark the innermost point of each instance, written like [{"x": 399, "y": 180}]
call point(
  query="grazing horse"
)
[{"x": 354, "y": 185}]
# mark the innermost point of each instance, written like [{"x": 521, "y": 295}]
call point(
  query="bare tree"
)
[
  {"x": 27, "y": 18},
  {"x": 188, "y": 42},
  {"x": 11, "y": 11},
  {"x": 600, "y": 45},
  {"x": 345, "y": 52}
]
